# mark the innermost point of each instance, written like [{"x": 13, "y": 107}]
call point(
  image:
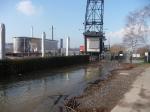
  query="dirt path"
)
[{"x": 103, "y": 95}]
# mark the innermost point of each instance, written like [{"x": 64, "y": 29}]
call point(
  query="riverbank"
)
[{"x": 103, "y": 95}]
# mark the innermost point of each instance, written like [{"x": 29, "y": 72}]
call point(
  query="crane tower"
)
[{"x": 93, "y": 27}]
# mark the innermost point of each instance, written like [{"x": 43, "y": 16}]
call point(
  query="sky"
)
[{"x": 67, "y": 17}]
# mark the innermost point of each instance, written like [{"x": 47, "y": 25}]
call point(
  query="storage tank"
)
[
  {"x": 26, "y": 44},
  {"x": 19, "y": 44},
  {"x": 32, "y": 45}
]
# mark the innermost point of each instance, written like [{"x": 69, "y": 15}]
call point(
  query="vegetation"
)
[
  {"x": 116, "y": 48},
  {"x": 142, "y": 50},
  {"x": 136, "y": 30}
]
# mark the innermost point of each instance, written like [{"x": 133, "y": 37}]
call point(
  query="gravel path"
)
[
  {"x": 138, "y": 98},
  {"x": 103, "y": 95}
]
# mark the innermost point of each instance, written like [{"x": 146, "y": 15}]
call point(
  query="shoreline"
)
[{"x": 100, "y": 95}]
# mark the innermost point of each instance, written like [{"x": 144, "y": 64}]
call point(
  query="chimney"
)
[
  {"x": 2, "y": 42},
  {"x": 67, "y": 46},
  {"x": 61, "y": 43},
  {"x": 43, "y": 44},
  {"x": 32, "y": 31},
  {"x": 52, "y": 33}
]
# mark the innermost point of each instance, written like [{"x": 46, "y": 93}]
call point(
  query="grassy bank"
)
[{"x": 9, "y": 67}]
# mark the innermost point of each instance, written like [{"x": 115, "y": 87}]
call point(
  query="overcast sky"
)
[{"x": 67, "y": 16}]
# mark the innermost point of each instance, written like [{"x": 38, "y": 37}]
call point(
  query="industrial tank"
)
[
  {"x": 19, "y": 44},
  {"x": 33, "y": 45},
  {"x": 26, "y": 44}
]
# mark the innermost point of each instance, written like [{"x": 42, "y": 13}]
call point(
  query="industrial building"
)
[
  {"x": 33, "y": 45},
  {"x": 9, "y": 47}
]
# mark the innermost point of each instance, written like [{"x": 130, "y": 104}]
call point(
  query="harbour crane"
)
[{"x": 93, "y": 27}]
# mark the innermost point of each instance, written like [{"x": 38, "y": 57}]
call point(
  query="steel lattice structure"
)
[
  {"x": 93, "y": 31},
  {"x": 94, "y": 16}
]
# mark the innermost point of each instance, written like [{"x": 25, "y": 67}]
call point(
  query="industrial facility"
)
[
  {"x": 33, "y": 45},
  {"x": 93, "y": 36}
]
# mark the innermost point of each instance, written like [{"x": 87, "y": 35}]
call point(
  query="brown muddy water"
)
[{"x": 45, "y": 91}]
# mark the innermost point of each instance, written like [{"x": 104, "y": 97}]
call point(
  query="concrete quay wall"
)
[{"x": 15, "y": 67}]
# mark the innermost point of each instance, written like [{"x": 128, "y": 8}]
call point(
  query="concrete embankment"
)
[{"x": 15, "y": 67}]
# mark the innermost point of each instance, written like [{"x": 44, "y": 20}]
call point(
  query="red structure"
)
[{"x": 82, "y": 48}]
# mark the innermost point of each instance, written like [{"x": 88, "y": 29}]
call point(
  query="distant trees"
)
[
  {"x": 116, "y": 48},
  {"x": 142, "y": 50}
]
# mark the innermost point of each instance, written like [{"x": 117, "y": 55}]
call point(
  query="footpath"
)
[{"x": 138, "y": 98}]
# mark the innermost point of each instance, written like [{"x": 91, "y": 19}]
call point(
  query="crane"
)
[{"x": 93, "y": 27}]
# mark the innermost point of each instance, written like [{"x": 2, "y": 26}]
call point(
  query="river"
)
[{"x": 45, "y": 91}]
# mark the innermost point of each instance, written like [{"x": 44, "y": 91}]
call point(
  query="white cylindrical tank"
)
[
  {"x": 43, "y": 44},
  {"x": 2, "y": 41}
]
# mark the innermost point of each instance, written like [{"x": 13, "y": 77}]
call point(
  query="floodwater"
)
[{"x": 45, "y": 91}]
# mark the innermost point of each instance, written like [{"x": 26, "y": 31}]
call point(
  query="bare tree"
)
[{"x": 136, "y": 28}]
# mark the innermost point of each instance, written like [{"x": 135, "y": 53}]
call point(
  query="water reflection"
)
[
  {"x": 43, "y": 93},
  {"x": 67, "y": 76},
  {"x": 35, "y": 95},
  {"x": 92, "y": 72}
]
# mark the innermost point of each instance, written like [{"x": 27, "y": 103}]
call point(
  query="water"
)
[
  {"x": 39, "y": 94},
  {"x": 45, "y": 91}
]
